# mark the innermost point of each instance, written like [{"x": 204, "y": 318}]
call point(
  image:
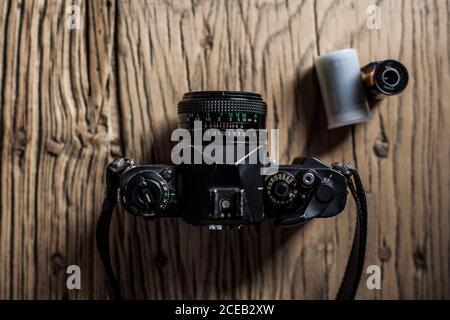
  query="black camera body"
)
[
  {"x": 230, "y": 194},
  {"x": 234, "y": 195}
]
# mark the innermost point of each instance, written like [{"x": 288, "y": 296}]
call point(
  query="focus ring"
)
[{"x": 222, "y": 101}]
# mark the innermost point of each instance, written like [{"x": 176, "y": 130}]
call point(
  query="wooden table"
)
[{"x": 72, "y": 100}]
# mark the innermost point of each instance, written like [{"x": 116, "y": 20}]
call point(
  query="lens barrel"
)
[{"x": 222, "y": 110}]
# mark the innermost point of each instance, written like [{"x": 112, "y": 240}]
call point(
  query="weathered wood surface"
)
[{"x": 71, "y": 100}]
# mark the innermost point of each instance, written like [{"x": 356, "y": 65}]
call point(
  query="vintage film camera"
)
[
  {"x": 234, "y": 193},
  {"x": 245, "y": 189}
]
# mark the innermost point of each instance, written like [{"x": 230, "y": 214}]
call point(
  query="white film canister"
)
[{"x": 342, "y": 89}]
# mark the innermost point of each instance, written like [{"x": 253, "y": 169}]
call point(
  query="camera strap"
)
[
  {"x": 113, "y": 172},
  {"x": 355, "y": 263},
  {"x": 102, "y": 237}
]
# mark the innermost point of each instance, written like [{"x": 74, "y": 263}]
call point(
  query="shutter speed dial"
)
[{"x": 282, "y": 189}]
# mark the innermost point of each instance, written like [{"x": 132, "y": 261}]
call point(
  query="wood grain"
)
[{"x": 71, "y": 100}]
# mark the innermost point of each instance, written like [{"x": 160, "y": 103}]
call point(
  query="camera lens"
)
[{"x": 222, "y": 110}]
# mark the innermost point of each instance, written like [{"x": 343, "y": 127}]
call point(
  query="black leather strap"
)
[
  {"x": 102, "y": 236},
  {"x": 355, "y": 263},
  {"x": 113, "y": 172}
]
